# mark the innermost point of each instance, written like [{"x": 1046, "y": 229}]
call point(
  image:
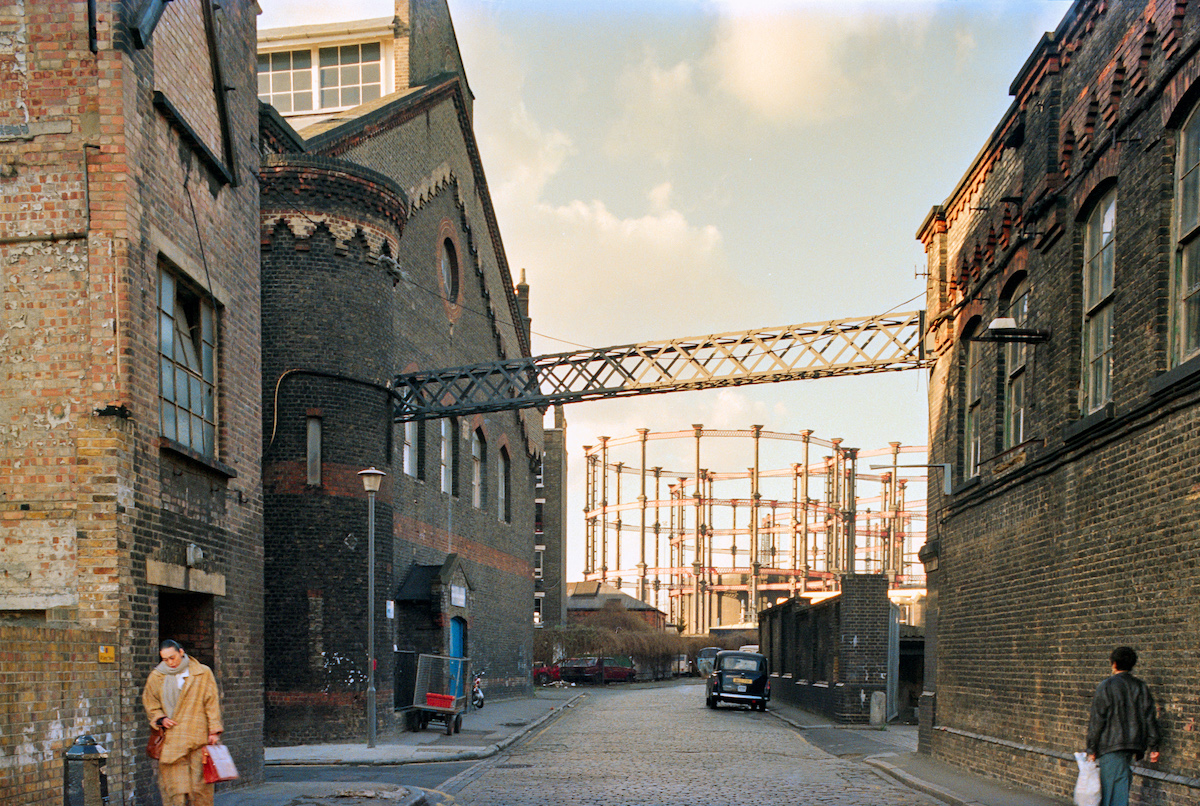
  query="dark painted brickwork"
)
[
  {"x": 830, "y": 657},
  {"x": 1084, "y": 536},
  {"x": 340, "y": 321}
]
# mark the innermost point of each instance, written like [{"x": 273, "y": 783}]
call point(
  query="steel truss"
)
[{"x": 857, "y": 346}]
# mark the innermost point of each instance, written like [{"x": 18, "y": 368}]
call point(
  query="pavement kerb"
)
[
  {"x": 913, "y": 782},
  {"x": 473, "y": 754}
]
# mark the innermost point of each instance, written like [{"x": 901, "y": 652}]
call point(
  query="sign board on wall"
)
[{"x": 458, "y": 595}]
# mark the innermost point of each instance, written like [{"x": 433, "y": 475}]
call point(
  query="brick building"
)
[
  {"x": 381, "y": 254},
  {"x": 1072, "y": 427},
  {"x": 550, "y": 528},
  {"x": 130, "y": 393}
]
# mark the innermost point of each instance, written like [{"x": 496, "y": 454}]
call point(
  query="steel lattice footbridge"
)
[{"x": 885, "y": 343}]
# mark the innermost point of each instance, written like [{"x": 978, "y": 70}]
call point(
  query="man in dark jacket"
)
[{"x": 1122, "y": 727}]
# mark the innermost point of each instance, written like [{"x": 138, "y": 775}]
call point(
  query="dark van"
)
[{"x": 741, "y": 678}]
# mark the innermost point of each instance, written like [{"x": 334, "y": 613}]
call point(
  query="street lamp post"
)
[{"x": 371, "y": 479}]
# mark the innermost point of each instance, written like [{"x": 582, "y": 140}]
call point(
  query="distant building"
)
[
  {"x": 130, "y": 390},
  {"x": 586, "y": 601},
  {"x": 1064, "y": 320},
  {"x": 381, "y": 254}
]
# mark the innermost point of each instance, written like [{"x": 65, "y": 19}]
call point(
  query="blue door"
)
[{"x": 458, "y": 646}]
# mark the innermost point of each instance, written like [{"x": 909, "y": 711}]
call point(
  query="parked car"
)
[
  {"x": 545, "y": 674},
  {"x": 593, "y": 669},
  {"x": 740, "y": 678},
  {"x": 704, "y": 660},
  {"x": 748, "y": 648}
]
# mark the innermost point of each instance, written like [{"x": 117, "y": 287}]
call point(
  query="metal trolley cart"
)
[{"x": 440, "y": 692}]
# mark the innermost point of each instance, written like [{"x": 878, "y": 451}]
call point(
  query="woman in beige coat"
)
[{"x": 181, "y": 698}]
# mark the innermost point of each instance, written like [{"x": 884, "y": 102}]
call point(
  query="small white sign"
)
[
  {"x": 391, "y": 609},
  {"x": 458, "y": 596}
]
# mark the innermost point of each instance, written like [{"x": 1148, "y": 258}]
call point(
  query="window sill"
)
[
  {"x": 966, "y": 485},
  {"x": 1184, "y": 375},
  {"x": 1085, "y": 425},
  {"x": 207, "y": 462}
]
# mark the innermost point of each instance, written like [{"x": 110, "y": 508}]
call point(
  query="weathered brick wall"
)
[
  {"x": 53, "y": 689},
  {"x": 98, "y": 187},
  {"x": 1083, "y": 537}
]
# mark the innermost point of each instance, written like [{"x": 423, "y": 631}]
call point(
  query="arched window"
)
[
  {"x": 449, "y": 270},
  {"x": 1186, "y": 288},
  {"x": 478, "y": 469},
  {"x": 502, "y": 484},
  {"x": 1099, "y": 253},
  {"x": 973, "y": 421},
  {"x": 449, "y": 456},
  {"x": 1015, "y": 305}
]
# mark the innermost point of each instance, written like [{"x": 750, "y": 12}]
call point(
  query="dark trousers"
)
[{"x": 1115, "y": 778}]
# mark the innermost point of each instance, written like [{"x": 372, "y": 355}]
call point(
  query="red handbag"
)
[
  {"x": 218, "y": 764},
  {"x": 155, "y": 742}
]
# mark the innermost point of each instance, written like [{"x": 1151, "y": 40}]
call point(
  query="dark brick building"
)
[
  {"x": 550, "y": 528},
  {"x": 131, "y": 499},
  {"x": 381, "y": 254},
  {"x": 1071, "y": 527}
]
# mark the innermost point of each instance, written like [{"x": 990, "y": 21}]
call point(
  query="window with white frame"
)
[
  {"x": 1099, "y": 254},
  {"x": 478, "y": 469},
  {"x": 1186, "y": 286},
  {"x": 321, "y": 78},
  {"x": 972, "y": 427},
  {"x": 537, "y": 607},
  {"x": 1015, "y": 355},
  {"x": 285, "y": 80},
  {"x": 187, "y": 348},
  {"x": 539, "y": 559}
]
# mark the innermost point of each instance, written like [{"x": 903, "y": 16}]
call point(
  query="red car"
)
[
  {"x": 597, "y": 670},
  {"x": 545, "y": 674}
]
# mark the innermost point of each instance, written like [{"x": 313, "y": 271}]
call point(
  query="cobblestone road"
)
[{"x": 663, "y": 747}]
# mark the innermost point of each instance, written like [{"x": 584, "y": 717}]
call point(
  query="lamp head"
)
[{"x": 371, "y": 479}]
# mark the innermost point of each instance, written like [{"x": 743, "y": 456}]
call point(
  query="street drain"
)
[
  {"x": 513, "y": 766},
  {"x": 515, "y": 724}
]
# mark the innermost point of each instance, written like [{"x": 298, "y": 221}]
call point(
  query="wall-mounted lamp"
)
[{"x": 1004, "y": 328}]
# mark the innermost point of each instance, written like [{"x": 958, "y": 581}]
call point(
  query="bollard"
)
[
  {"x": 878, "y": 708},
  {"x": 85, "y": 781}
]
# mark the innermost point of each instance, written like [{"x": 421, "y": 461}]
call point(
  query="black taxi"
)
[{"x": 739, "y": 678}]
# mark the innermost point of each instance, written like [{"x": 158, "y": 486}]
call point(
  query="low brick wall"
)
[
  {"x": 40, "y": 716},
  {"x": 830, "y": 657}
]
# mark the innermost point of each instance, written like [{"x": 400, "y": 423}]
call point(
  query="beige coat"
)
[{"x": 198, "y": 711}]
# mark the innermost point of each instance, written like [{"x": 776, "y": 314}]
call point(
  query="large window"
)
[
  {"x": 1187, "y": 274},
  {"x": 1099, "y": 255},
  {"x": 187, "y": 346},
  {"x": 285, "y": 80},
  {"x": 446, "y": 457},
  {"x": 1015, "y": 353},
  {"x": 972, "y": 436},
  {"x": 321, "y": 78}
]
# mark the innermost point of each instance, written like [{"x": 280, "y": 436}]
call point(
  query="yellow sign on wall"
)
[{"x": 108, "y": 654}]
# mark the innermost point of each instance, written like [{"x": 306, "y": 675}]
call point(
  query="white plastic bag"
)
[{"x": 1087, "y": 788}]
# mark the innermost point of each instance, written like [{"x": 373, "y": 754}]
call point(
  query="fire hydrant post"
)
[{"x": 85, "y": 782}]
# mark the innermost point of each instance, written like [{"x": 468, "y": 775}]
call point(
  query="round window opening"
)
[{"x": 450, "y": 270}]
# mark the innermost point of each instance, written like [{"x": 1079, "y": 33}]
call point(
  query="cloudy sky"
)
[{"x": 666, "y": 168}]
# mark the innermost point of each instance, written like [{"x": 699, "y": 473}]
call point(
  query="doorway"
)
[{"x": 188, "y": 619}]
